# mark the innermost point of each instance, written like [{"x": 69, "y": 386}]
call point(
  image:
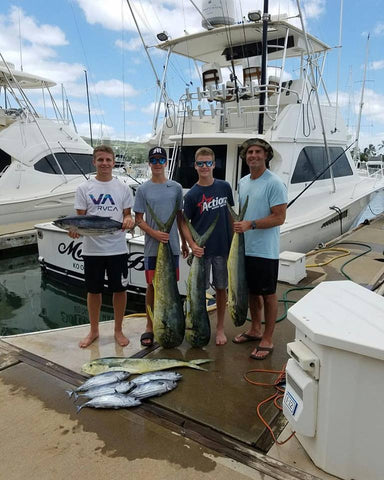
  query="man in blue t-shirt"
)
[
  {"x": 202, "y": 203},
  {"x": 267, "y": 205}
]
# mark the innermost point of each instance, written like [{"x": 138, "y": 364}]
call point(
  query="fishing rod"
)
[
  {"x": 320, "y": 174},
  {"x": 73, "y": 160}
]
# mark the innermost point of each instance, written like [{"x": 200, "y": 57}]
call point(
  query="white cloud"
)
[
  {"x": 377, "y": 65},
  {"x": 99, "y": 130},
  {"x": 133, "y": 44},
  {"x": 379, "y": 29},
  {"x": 114, "y": 88}
]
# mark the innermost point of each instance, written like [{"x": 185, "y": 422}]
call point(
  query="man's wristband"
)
[{"x": 253, "y": 225}]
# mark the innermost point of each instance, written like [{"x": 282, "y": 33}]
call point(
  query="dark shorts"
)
[
  {"x": 116, "y": 267},
  {"x": 219, "y": 272},
  {"x": 150, "y": 267},
  {"x": 261, "y": 275}
]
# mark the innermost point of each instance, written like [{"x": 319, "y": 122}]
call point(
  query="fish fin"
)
[
  {"x": 70, "y": 393},
  {"x": 78, "y": 408}
]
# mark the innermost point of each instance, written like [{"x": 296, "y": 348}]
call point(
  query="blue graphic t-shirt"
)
[{"x": 202, "y": 205}]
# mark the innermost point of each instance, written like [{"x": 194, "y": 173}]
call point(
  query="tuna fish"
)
[
  {"x": 237, "y": 284},
  {"x": 148, "y": 377},
  {"x": 138, "y": 365},
  {"x": 154, "y": 388},
  {"x": 108, "y": 389},
  {"x": 88, "y": 225},
  {"x": 167, "y": 316},
  {"x": 101, "y": 379},
  {"x": 117, "y": 400},
  {"x": 197, "y": 324}
]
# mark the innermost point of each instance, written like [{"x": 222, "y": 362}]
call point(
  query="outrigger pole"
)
[{"x": 264, "y": 52}]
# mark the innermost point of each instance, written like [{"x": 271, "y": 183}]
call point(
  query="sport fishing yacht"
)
[
  {"x": 42, "y": 161},
  {"x": 248, "y": 90}
]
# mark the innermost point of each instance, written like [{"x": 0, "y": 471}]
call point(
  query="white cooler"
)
[{"x": 334, "y": 397}]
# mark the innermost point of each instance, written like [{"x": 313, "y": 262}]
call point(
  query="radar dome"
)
[{"x": 217, "y": 13}]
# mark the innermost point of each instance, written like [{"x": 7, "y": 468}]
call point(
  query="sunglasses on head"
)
[
  {"x": 208, "y": 163},
  {"x": 154, "y": 161}
]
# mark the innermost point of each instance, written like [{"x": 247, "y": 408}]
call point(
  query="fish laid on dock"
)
[
  {"x": 138, "y": 365},
  {"x": 108, "y": 389},
  {"x": 168, "y": 315},
  {"x": 148, "y": 377},
  {"x": 117, "y": 400},
  {"x": 197, "y": 324},
  {"x": 154, "y": 388},
  {"x": 237, "y": 283},
  {"x": 88, "y": 225},
  {"x": 102, "y": 379}
]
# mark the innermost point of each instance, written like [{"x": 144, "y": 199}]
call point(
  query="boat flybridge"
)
[
  {"x": 42, "y": 161},
  {"x": 246, "y": 92}
]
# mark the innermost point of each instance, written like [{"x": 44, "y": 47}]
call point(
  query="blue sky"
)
[{"x": 62, "y": 38}]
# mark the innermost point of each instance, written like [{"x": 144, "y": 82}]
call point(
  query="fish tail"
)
[
  {"x": 244, "y": 209},
  {"x": 78, "y": 408},
  {"x": 164, "y": 227},
  {"x": 70, "y": 393},
  {"x": 237, "y": 217},
  {"x": 201, "y": 239},
  {"x": 195, "y": 363},
  {"x": 150, "y": 313}
]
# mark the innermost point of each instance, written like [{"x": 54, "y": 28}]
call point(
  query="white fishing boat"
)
[{"x": 261, "y": 98}]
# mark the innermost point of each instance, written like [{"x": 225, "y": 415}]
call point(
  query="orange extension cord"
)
[{"x": 279, "y": 393}]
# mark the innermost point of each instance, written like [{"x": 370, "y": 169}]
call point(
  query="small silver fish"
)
[
  {"x": 101, "y": 379},
  {"x": 153, "y": 388},
  {"x": 147, "y": 377},
  {"x": 108, "y": 389},
  {"x": 118, "y": 400}
]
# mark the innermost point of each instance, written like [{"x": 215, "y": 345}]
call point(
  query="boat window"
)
[
  {"x": 313, "y": 160},
  {"x": 185, "y": 172},
  {"x": 5, "y": 161},
  {"x": 69, "y": 163}
]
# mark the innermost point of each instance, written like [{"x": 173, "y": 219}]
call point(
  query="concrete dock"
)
[{"x": 206, "y": 428}]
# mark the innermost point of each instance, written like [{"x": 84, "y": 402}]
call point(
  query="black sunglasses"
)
[
  {"x": 154, "y": 161},
  {"x": 208, "y": 163}
]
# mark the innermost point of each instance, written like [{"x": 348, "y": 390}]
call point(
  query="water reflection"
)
[{"x": 30, "y": 302}]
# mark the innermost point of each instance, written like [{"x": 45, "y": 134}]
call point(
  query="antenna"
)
[{"x": 356, "y": 149}]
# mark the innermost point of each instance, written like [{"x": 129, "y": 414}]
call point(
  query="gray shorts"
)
[{"x": 219, "y": 272}]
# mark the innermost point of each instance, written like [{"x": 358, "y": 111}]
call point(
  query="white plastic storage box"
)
[
  {"x": 291, "y": 267},
  {"x": 334, "y": 397}
]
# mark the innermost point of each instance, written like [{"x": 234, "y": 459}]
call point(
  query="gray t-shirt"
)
[{"x": 162, "y": 197}]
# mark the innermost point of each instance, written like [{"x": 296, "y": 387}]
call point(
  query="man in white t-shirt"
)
[{"x": 105, "y": 196}]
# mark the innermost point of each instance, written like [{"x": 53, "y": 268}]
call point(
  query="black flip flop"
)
[
  {"x": 147, "y": 336},
  {"x": 269, "y": 350},
  {"x": 247, "y": 338}
]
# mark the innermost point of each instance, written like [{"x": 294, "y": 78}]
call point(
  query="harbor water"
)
[{"x": 30, "y": 302}]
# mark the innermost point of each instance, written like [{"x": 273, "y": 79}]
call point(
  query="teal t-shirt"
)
[{"x": 263, "y": 193}]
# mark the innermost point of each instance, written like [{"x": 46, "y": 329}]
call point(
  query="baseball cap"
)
[
  {"x": 157, "y": 152},
  {"x": 259, "y": 142}
]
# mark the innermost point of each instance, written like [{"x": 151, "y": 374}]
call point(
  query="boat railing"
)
[
  {"x": 230, "y": 105},
  {"x": 377, "y": 176}
]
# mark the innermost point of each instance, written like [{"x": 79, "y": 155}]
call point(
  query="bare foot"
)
[
  {"x": 91, "y": 337},
  {"x": 121, "y": 339},
  {"x": 221, "y": 339}
]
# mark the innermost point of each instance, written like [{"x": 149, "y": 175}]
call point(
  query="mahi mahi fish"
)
[
  {"x": 237, "y": 284},
  {"x": 167, "y": 316},
  {"x": 117, "y": 400},
  {"x": 138, "y": 365},
  {"x": 87, "y": 225},
  {"x": 197, "y": 324}
]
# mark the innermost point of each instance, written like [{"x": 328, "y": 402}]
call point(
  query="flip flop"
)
[
  {"x": 147, "y": 336},
  {"x": 269, "y": 350},
  {"x": 247, "y": 338}
]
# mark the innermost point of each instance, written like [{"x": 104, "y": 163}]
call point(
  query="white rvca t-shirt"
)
[{"x": 105, "y": 199}]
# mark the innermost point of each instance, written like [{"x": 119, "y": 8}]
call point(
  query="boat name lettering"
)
[
  {"x": 72, "y": 248},
  {"x": 78, "y": 266},
  {"x": 136, "y": 263}
]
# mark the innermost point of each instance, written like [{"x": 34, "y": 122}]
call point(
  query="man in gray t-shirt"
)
[{"x": 162, "y": 195}]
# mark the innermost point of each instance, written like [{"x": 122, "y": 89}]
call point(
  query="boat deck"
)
[{"x": 206, "y": 428}]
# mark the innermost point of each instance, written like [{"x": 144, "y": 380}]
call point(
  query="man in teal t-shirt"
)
[{"x": 267, "y": 204}]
